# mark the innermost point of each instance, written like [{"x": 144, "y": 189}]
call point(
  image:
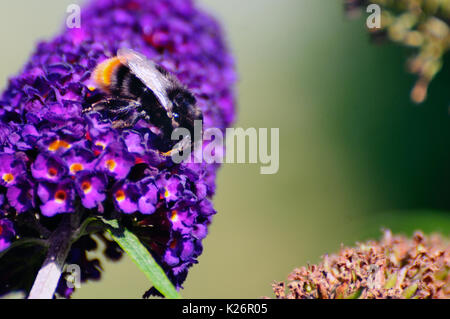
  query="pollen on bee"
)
[{"x": 8, "y": 177}]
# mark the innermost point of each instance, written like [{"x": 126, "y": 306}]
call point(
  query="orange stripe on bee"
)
[{"x": 104, "y": 71}]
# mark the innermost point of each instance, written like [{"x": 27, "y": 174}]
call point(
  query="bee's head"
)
[{"x": 184, "y": 111}]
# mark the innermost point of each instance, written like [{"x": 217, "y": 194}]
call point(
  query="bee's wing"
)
[{"x": 147, "y": 72}]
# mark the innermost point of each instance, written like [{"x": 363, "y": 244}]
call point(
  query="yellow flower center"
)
[
  {"x": 8, "y": 177},
  {"x": 60, "y": 196},
  {"x": 76, "y": 167},
  {"x": 111, "y": 164},
  {"x": 52, "y": 172},
  {"x": 166, "y": 193},
  {"x": 86, "y": 187},
  {"x": 174, "y": 216},
  {"x": 57, "y": 144},
  {"x": 120, "y": 195},
  {"x": 101, "y": 144}
]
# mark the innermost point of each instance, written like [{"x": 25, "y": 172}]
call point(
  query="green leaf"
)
[
  {"x": 25, "y": 242},
  {"x": 142, "y": 258},
  {"x": 90, "y": 225}
]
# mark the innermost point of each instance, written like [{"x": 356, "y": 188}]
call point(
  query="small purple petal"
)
[
  {"x": 7, "y": 233},
  {"x": 56, "y": 198},
  {"x": 11, "y": 169},
  {"x": 126, "y": 197},
  {"x": 21, "y": 196},
  {"x": 115, "y": 161},
  {"x": 147, "y": 202},
  {"x": 48, "y": 167},
  {"x": 91, "y": 188}
]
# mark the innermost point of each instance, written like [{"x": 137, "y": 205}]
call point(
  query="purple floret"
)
[{"x": 7, "y": 233}]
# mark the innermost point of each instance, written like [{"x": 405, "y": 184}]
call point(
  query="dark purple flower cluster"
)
[
  {"x": 7, "y": 233},
  {"x": 56, "y": 160}
]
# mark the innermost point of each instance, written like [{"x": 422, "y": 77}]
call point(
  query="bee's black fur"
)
[{"x": 119, "y": 77}]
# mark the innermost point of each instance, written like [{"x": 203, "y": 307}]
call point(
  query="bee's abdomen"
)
[
  {"x": 114, "y": 77},
  {"x": 125, "y": 83},
  {"x": 103, "y": 73}
]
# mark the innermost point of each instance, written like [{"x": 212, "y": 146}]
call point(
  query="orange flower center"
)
[
  {"x": 173, "y": 244},
  {"x": 52, "y": 172},
  {"x": 8, "y": 177},
  {"x": 76, "y": 167},
  {"x": 120, "y": 195},
  {"x": 57, "y": 144},
  {"x": 86, "y": 187},
  {"x": 111, "y": 164},
  {"x": 166, "y": 193},
  {"x": 174, "y": 216},
  {"x": 60, "y": 196},
  {"x": 101, "y": 144}
]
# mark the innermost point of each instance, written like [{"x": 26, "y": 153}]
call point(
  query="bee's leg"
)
[
  {"x": 169, "y": 153},
  {"x": 181, "y": 146},
  {"x": 113, "y": 105},
  {"x": 99, "y": 106},
  {"x": 126, "y": 123},
  {"x": 145, "y": 116},
  {"x": 117, "y": 106},
  {"x": 129, "y": 119}
]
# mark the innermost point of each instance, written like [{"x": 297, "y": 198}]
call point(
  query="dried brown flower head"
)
[{"x": 395, "y": 267}]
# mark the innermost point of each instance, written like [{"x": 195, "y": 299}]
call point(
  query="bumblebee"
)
[{"x": 137, "y": 88}]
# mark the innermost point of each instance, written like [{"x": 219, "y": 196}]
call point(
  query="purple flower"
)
[
  {"x": 7, "y": 233},
  {"x": 56, "y": 198},
  {"x": 91, "y": 188},
  {"x": 11, "y": 169},
  {"x": 170, "y": 187},
  {"x": 180, "y": 249},
  {"x": 79, "y": 159},
  {"x": 134, "y": 143},
  {"x": 148, "y": 200},
  {"x": 48, "y": 167},
  {"x": 126, "y": 197},
  {"x": 178, "y": 220},
  {"x": 22, "y": 195},
  {"x": 57, "y": 160},
  {"x": 116, "y": 161}
]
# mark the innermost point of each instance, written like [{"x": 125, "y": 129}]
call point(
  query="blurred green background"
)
[{"x": 355, "y": 154}]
